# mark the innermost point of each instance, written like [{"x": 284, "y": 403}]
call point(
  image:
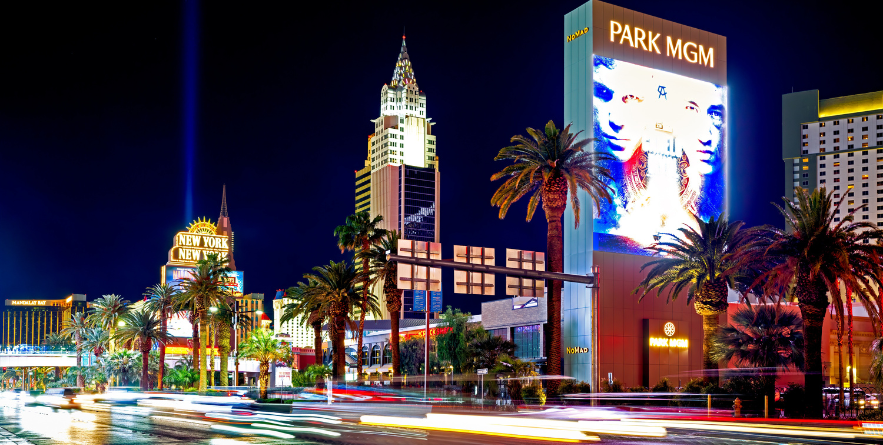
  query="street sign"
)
[
  {"x": 467, "y": 282},
  {"x": 518, "y": 286},
  {"x": 419, "y": 301},
  {"x": 415, "y": 277},
  {"x": 435, "y": 301},
  {"x": 482, "y": 371}
]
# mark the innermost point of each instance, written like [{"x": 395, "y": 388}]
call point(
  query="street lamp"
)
[
  {"x": 121, "y": 323},
  {"x": 213, "y": 309}
]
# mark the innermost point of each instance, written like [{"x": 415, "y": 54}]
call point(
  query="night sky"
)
[{"x": 92, "y": 127}]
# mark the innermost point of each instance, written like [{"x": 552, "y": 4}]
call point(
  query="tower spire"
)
[
  {"x": 224, "y": 202},
  {"x": 404, "y": 72}
]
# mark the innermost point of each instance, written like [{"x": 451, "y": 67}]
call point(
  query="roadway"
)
[{"x": 131, "y": 425}]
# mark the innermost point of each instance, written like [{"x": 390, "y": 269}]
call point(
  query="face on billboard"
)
[{"x": 667, "y": 134}]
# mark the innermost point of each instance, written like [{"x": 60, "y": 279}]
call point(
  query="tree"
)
[
  {"x": 307, "y": 311},
  {"x": 57, "y": 341},
  {"x": 182, "y": 375},
  {"x": 203, "y": 290},
  {"x": 336, "y": 294},
  {"x": 161, "y": 298},
  {"x": 485, "y": 349},
  {"x": 702, "y": 262},
  {"x": 75, "y": 328},
  {"x": 548, "y": 165},
  {"x": 808, "y": 258},
  {"x": 122, "y": 365},
  {"x": 358, "y": 234},
  {"x": 451, "y": 346},
  {"x": 97, "y": 341},
  {"x": 762, "y": 337},
  {"x": 143, "y": 329},
  {"x": 386, "y": 272},
  {"x": 225, "y": 319},
  {"x": 263, "y": 347},
  {"x": 106, "y": 312}
]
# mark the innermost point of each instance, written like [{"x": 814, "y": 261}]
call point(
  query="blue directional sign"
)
[
  {"x": 435, "y": 301},
  {"x": 419, "y": 301}
]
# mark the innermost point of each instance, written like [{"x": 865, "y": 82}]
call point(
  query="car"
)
[{"x": 60, "y": 397}]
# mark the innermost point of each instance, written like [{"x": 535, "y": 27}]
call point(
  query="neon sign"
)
[
  {"x": 197, "y": 242},
  {"x": 27, "y": 302},
  {"x": 669, "y": 342},
  {"x": 577, "y": 350}
]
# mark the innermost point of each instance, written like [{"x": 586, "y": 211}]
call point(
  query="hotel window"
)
[
  {"x": 820, "y": 174},
  {"x": 805, "y": 159},
  {"x": 805, "y": 183},
  {"x": 821, "y": 165},
  {"x": 851, "y": 178},
  {"x": 806, "y": 175},
  {"x": 864, "y": 201},
  {"x": 822, "y": 149},
  {"x": 864, "y": 136},
  {"x": 836, "y": 179},
  {"x": 805, "y": 144},
  {"x": 805, "y": 127},
  {"x": 849, "y": 130},
  {"x": 864, "y": 144},
  {"x": 822, "y": 158},
  {"x": 836, "y": 132},
  {"x": 837, "y": 195},
  {"x": 805, "y": 152},
  {"x": 836, "y": 157},
  {"x": 823, "y": 124},
  {"x": 864, "y": 119},
  {"x": 848, "y": 138},
  {"x": 850, "y": 146},
  {"x": 864, "y": 128},
  {"x": 864, "y": 169},
  {"x": 849, "y": 121},
  {"x": 863, "y": 217},
  {"x": 836, "y": 187},
  {"x": 850, "y": 170},
  {"x": 836, "y": 147},
  {"x": 822, "y": 134},
  {"x": 836, "y": 140},
  {"x": 806, "y": 136},
  {"x": 836, "y": 122},
  {"x": 836, "y": 219},
  {"x": 865, "y": 193},
  {"x": 805, "y": 167},
  {"x": 836, "y": 164},
  {"x": 880, "y": 116},
  {"x": 850, "y": 202},
  {"x": 528, "y": 341},
  {"x": 836, "y": 172}
]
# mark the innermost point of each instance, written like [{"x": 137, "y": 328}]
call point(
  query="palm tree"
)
[
  {"x": 263, "y": 347},
  {"x": 307, "y": 311},
  {"x": 807, "y": 259},
  {"x": 703, "y": 263},
  {"x": 336, "y": 294},
  {"x": 548, "y": 165},
  {"x": 97, "y": 341},
  {"x": 75, "y": 328},
  {"x": 56, "y": 341},
  {"x": 386, "y": 272},
  {"x": 161, "y": 298},
  {"x": 143, "y": 329},
  {"x": 763, "y": 337},
  {"x": 205, "y": 289},
  {"x": 225, "y": 318},
  {"x": 122, "y": 365},
  {"x": 106, "y": 312},
  {"x": 358, "y": 234}
]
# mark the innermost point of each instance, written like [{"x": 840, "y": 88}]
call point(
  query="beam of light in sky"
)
[{"x": 189, "y": 64}]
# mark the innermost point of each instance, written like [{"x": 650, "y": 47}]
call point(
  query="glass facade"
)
[
  {"x": 502, "y": 333},
  {"x": 529, "y": 341},
  {"x": 419, "y": 203}
]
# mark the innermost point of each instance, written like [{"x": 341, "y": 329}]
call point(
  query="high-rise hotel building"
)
[
  {"x": 837, "y": 144},
  {"x": 400, "y": 177}
]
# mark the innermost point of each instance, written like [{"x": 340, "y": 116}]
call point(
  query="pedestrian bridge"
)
[{"x": 37, "y": 359}]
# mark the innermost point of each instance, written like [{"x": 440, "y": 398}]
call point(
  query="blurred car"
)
[
  {"x": 12, "y": 394},
  {"x": 60, "y": 397},
  {"x": 116, "y": 395}
]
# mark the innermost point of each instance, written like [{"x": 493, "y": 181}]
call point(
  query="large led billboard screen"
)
[
  {"x": 233, "y": 280},
  {"x": 667, "y": 136}
]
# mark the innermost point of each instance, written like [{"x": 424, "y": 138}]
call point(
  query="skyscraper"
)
[{"x": 402, "y": 162}]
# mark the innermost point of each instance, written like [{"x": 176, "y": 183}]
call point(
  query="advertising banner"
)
[{"x": 419, "y": 301}]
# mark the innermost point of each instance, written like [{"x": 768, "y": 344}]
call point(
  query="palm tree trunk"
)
[
  {"x": 555, "y": 247},
  {"x": 317, "y": 350},
  {"x": 145, "y": 363},
  {"x": 852, "y": 405},
  {"x": 203, "y": 340},
  {"x": 81, "y": 382},
  {"x": 196, "y": 343},
  {"x": 364, "y": 307},
  {"x": 710, "y": 324},
  {"x": 162, "y": 350},
  {"x": 340, "y": 349},
  {"x": 813, "y": 302},
  {"x": 394, "y": 346},
  {"x": 264, "y": 378},
  {"x": 840, "y": 361},
  {"x": 224, "y": 342}
]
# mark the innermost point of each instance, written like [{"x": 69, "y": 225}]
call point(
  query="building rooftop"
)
[{"x": 857, "y": 103}]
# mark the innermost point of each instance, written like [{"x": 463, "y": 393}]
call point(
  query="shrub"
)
[
  {"x": 614, "y": 386},
  {"x": 534, "y": 394},
  {"x": 514, "y": 388},
  {"x": 867, "y": 414},
  {"x": 663, "y": 386},
  {"x": 573, "y": 387},
  {"x": 794, "y": 402},
  {"x": 638, "y": 389}
]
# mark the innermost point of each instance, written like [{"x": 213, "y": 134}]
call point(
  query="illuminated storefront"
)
[
  {"x": 653, "y": 95},
  {"x": 28, "y": 322}
]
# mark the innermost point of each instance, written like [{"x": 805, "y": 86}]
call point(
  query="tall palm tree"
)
[
  {"x": 386, "y": 272},
  {"x": 263, "y": 347},
  {"x": 703, "y": 263},
  {"x": 56, "y": 341},
  {"x": 75, "y": 328},
  {"x": 358, "y": 234},
  {"x": 807, "y": 259},
  {"x": 121, "y": 365},
  {"x": 548, "y": 165},
  {"x": 762, "y": 337},
  {"x": 308, "y": 311},
  {"x": 143, "y": 328},
  {"x": 203, "y": 290},
  {"x": 336, "y": 293},
  {"x": 161, "y": 298},
  {"x": 97, "y": 341},
  {"x": 106, "y": 313},
  {"x": 225, "y": 318}
]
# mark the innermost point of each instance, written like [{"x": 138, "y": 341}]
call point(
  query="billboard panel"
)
[
  {"x": 666, "y": 134},
  {"x": 233, "y": 280}
]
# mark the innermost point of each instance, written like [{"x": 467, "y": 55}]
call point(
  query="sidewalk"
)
[{"x": 7, "y": 438}]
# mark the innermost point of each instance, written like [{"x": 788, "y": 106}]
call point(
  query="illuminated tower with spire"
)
[
  {"x": 224, "y": 227},
  {"x": 400, "y": 177}
]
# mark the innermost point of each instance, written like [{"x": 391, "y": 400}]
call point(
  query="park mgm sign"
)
[{"x": 197, "y": 242}]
